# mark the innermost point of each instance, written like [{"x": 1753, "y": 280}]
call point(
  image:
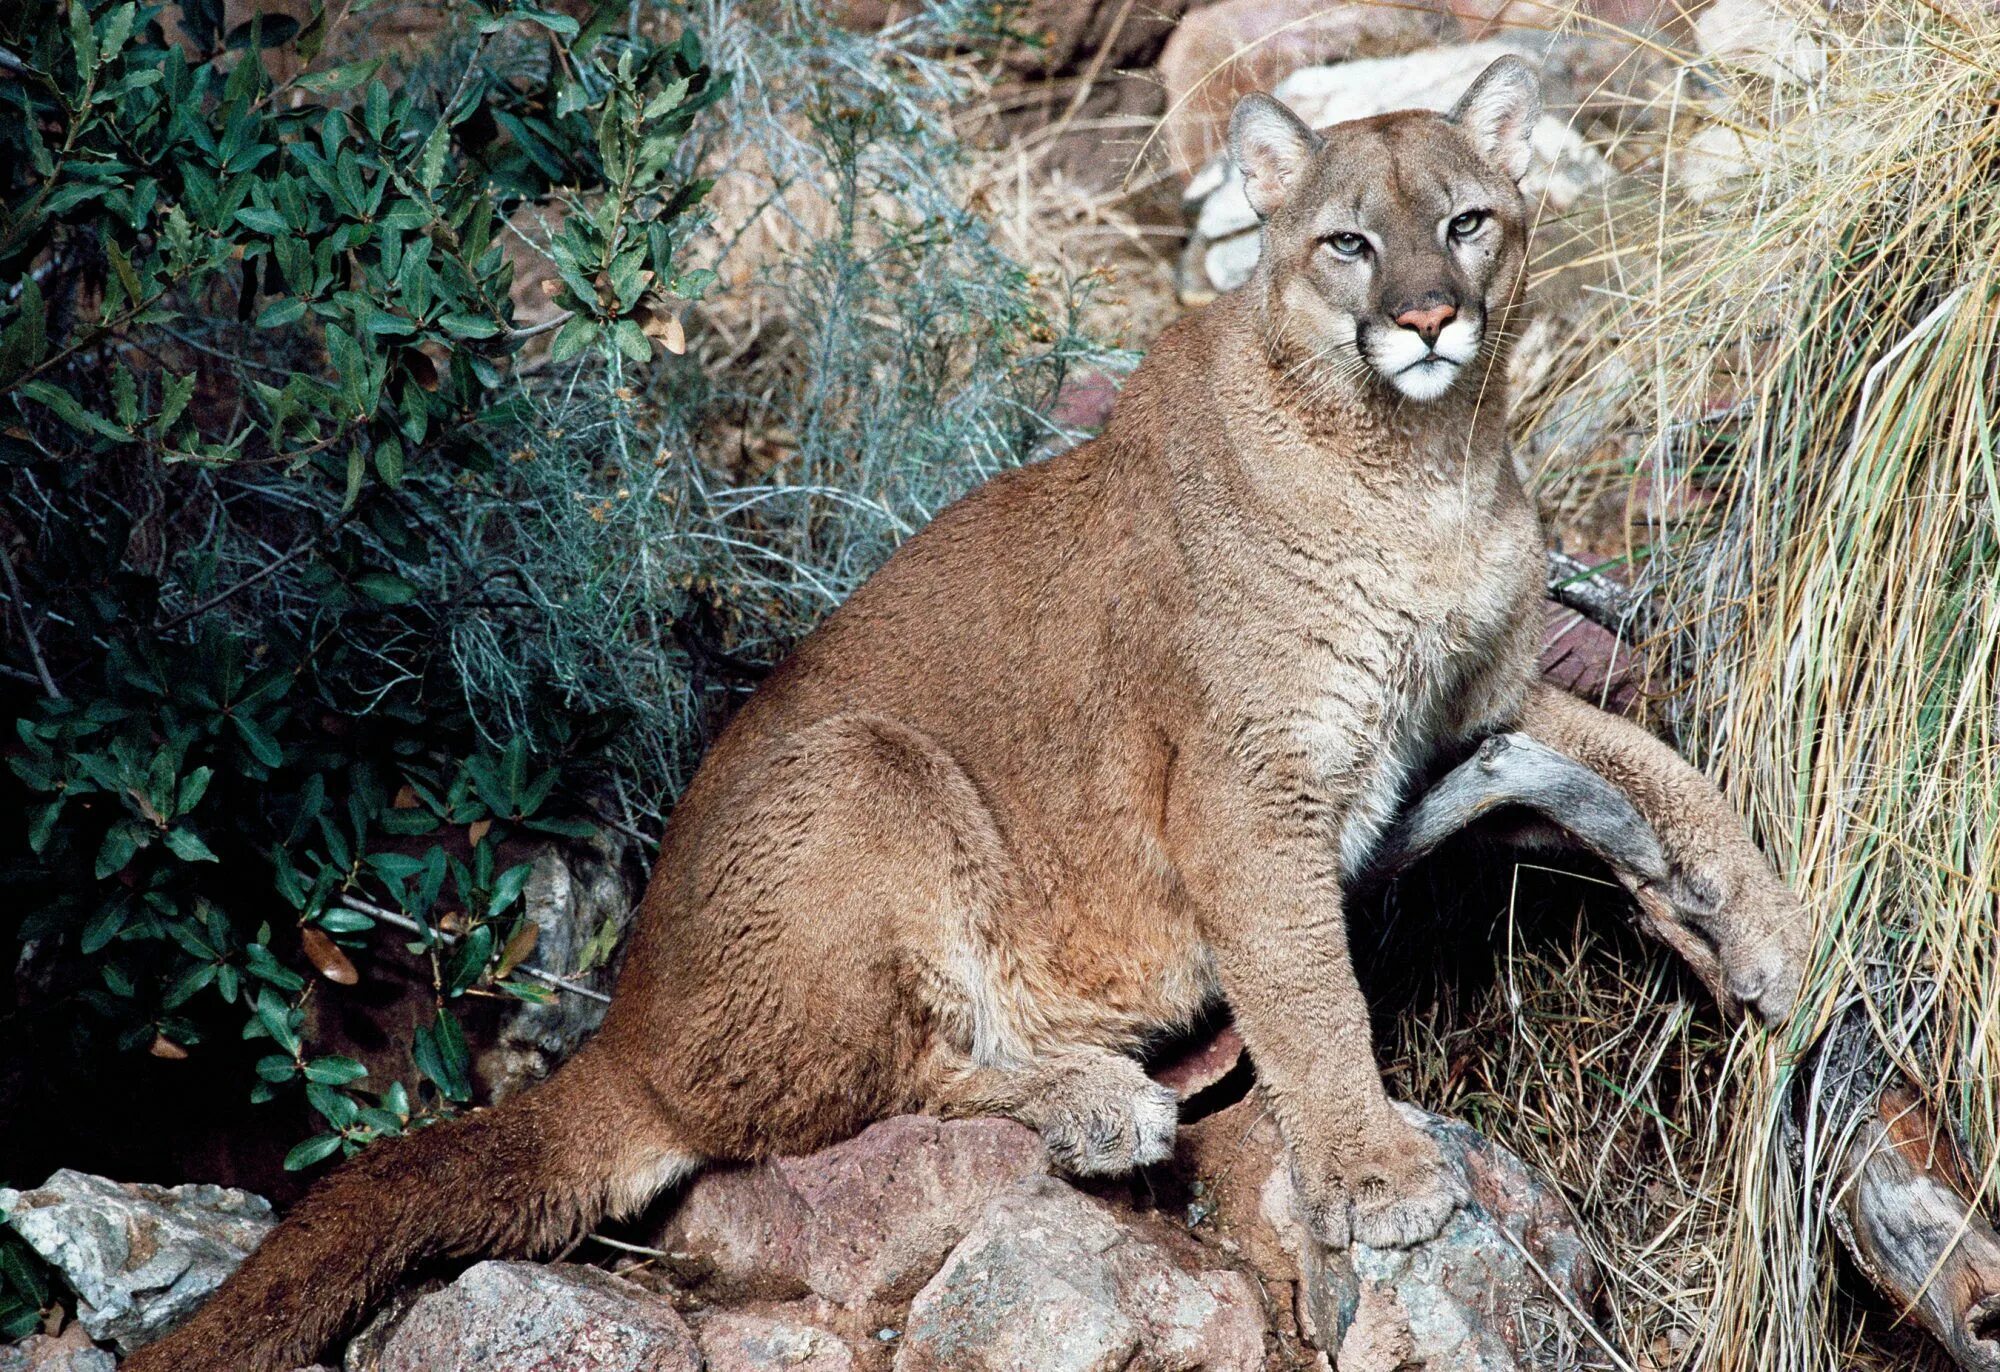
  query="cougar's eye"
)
[
  {"x": 1467, "y": 224},
  {"x": 1347, "y": 245}
]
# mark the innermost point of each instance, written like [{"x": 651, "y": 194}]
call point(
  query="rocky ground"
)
[{"x": 920, "y": 1246}]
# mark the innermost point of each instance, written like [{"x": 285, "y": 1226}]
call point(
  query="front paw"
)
[{"x": 1396, "y": 1191}]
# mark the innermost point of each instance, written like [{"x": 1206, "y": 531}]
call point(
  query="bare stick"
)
[
  {"x": 28, "y": 630},
  {"x": 401, "y": 921}
]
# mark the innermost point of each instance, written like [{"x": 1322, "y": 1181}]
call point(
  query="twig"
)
[
  {"x": 245, "y": 584},
  {"x": 1568, "y": 1303},
  {"x": 402, "y": 921},
  {"x": 49, "y": 686},
  {"x": 1576, "y": 585},
  {"x": 625, "y": 1247}
]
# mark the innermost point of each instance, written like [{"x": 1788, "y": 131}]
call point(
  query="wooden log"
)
[
  {"x": 1905, "y": 1213},
  {"x": 1906, "y": 1206}
]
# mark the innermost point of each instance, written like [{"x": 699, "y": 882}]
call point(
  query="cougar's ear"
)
[
  {"x": 1499, "y": 113},
  {"x": 1271, "y": 145}
]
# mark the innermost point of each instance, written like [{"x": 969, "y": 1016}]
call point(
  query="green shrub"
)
[{"x": 256, "y": 345}]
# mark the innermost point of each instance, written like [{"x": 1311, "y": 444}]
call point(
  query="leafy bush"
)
[{"x": 256, "y": 344}]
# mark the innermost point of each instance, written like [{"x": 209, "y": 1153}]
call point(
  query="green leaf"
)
[
  {"x": 441, "y": 1056},
  {"x": 266, "y": 30},
  {"x": 335, "y": 1071},
  {"x": 258, "y": 740},
  {"x": 461, "y": 325},
  {"x": 104, "y": 926},
  {"x": 469, "y": 959},
  {"x": 193, "y": 787},
  {"x": 386, "y": 587},
  {"x": 287, "y": 310},
  {"x": 186, "y": 845},
  {"x": 72, "y": 413},
  {"x": 262, "y": 220},
  {"x": 121, "y": 844},
  {"x": 572, "y": 338},
  {"x": 313, "y": 1150},
  {"x": 276, "y": 1067},
  {"x": 632, "y": 340},
  {"x": 341, "y": 78}
]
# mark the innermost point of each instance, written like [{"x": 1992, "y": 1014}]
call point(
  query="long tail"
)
[{"x": 525, "y": 1176}]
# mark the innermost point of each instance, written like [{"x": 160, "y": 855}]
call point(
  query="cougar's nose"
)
[{"x": 1428, "y": 321}]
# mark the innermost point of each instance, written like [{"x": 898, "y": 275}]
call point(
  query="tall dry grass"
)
[{"x": 1804, "y": 370}]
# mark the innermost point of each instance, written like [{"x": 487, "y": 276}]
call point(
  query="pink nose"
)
[{"x": 1428, "y": 323}]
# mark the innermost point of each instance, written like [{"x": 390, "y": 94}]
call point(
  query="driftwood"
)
[{"x": 1904, "y": 1204}]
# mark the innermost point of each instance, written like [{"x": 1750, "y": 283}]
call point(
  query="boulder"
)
[
  {"x": 740, "y": 1341},
  {"x": 862, "y": 1224},
  {"x": 140, "y": 1258},
  {"x": 1051, "y": 1279},
  {"x": 1224, "y": 246},
  {"x": 525, "y": 1317},
  {"x": 1470, "y": 1300}
]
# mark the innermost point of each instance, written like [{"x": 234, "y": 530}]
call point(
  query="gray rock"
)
[
  {"x": 1471, "y": 1299},
  {"x": 739, "y": 1341},
  {"x": 524, "y": 1317},
  {"x": 140, "y": 1258},
  {"x": 1050, "y": 1280},
  {"x": 580, "y": 900}
]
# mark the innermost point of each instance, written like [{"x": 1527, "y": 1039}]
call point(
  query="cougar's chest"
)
[{"x": 1391, "y": 667}]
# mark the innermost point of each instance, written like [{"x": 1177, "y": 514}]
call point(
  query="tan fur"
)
[{"x": 1093, "y": 750}]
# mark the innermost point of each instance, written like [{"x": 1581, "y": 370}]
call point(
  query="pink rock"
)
[
  {"x": 860, "y": 1224},
  {"x": 1587, "y": 660},
  {"x": 523, "y": 1317},
  {"x": 1203, "y": 1064},
  {"x": 1053, "y": 1280},
  {"x": 739, "y": 1341}
]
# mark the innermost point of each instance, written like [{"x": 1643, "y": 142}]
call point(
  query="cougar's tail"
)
[{"x": 525, "y": 1176}]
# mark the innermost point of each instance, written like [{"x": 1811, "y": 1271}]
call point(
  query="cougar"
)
[{"x": 1094, "y": 751}]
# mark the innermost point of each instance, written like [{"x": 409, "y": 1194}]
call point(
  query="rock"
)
[
  {"x": 1203, "y": 1063},
  {"x": 1586, "y": 659},
  {"x": 140, "y": 1258},
  {"x": 1471, "y": 1299},
  {"x": 739, "y": 1341},
  {"x": 523, "y": 1317},
  {"x": 1226, "y": 234},
  {"x": 1756, "y": 37},
  {"x": 862, "y": 1224},
  {"x": 579, "y": 898},
  {"x": 70, "y": 1351},
  {"x": 1465, "y": 1302},
  {"x": 1052, "y": 1280},
  {"x": 1221, "y": 52}
]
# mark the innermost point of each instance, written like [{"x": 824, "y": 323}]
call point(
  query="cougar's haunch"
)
[{"x": 1094, "y": 750}]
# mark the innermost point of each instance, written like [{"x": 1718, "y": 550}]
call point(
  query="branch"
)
[
  {"x": 401, "y": 921},
  {"x": 49, "y": 686},
  {"x": 1576, "y": 584}
]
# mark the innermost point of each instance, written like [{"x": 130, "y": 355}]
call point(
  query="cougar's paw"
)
[
  {"x": 1110, "y": 1123},
  {"x": 1394, "y": 1194}
]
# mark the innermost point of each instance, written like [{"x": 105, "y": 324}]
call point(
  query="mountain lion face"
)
[{"x": 1392, "y": 244}]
